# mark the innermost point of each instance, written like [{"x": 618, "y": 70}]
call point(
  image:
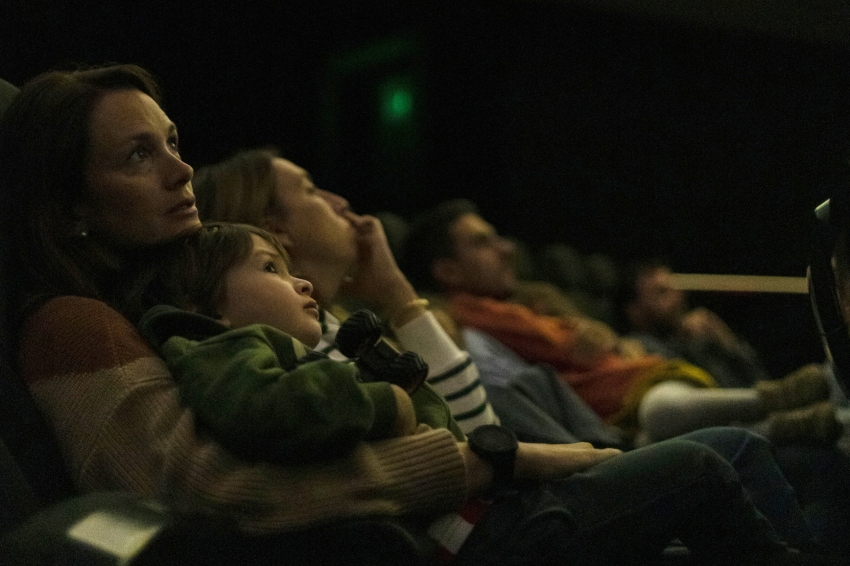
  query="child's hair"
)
[{"x": 190, "y": 272}]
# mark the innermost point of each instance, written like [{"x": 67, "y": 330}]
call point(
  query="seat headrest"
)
[{"x": 8, "y": 91}]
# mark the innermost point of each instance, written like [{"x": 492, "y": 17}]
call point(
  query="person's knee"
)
[
  {"x": 664, "y": 410},
  {"x": 731, "y": 442},
  {"x": 703, "y": 460}
]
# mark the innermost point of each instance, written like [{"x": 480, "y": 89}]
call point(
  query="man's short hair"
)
[{"x": 428, "y": 240}]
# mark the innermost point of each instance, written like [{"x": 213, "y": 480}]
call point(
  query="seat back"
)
[{"x": 32, "y": 472}]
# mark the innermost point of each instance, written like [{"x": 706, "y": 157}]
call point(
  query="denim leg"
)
[
  {"x": 627, "y": 509},
  {"x": 673, "y": 489},
  {"x": 821, "y": 479},
  {"x": 752, "y": 456}
]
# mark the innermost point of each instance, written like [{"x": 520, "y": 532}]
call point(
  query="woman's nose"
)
[
  {"x": 181, "y": 173},
  {"x": 338, "y": 203}
]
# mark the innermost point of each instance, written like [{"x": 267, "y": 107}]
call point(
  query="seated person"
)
[
  {"x": 347, "y": 256},
  {"x": 452, "y": 250},
  {"x": 655, "y": 312},
  {"x": 239, "y": 350},
  {"x": 342, "y": 254},
  {"x": 241, "y": 353}
]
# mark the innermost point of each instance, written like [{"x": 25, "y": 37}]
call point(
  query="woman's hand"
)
[
  {"x": 377, "y": 278},
  {"x": 538, "y": 462}
]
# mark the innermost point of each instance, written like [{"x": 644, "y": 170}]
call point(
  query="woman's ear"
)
[{"x": 78, "y": 223}]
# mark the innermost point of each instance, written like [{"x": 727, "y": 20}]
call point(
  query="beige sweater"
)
[{"x": 115, "y": 411}]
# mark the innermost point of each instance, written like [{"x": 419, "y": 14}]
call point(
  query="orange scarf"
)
[{"x": 613, "y": 387}]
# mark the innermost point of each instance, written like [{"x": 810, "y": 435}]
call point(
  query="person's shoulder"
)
[
  {"x": 78, "y": 334},
  {"x": 70, "y": 313}
]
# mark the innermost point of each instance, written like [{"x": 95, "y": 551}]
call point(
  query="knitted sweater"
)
[
  {"x": 115, "y": 410},
  {"x": 266, "y": 396},
  {"x": 450, "y": 371}
]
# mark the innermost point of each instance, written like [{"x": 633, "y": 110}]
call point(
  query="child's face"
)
[{"x": 261, "y": 291}]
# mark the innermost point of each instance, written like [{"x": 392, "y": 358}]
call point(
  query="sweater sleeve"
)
[
  {"x": 451, "y": 372},
  {"x": 116, "y": 414},
  {"x": 246, "y": 386}
]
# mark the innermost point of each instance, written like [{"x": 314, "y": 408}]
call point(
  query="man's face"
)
[
  {"x": 483, "y": 261},
  {"x": 658, "y": 303}
]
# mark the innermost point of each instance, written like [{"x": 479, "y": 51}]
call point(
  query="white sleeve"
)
[{"x": 450, "y": 371}]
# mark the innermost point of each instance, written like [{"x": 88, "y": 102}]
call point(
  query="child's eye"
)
[{"x": 270, "y": 267}]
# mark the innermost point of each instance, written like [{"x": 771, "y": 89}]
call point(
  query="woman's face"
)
[
  {"x": 313, "y": 222},
  {"x": 138, "y": 191}
]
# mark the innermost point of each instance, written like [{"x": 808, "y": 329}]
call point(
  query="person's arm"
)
[
  {"x": 451, "y": 372},
  {"x": 381, "y": 283},
  {"x": 115, "y": 411},
  {"x": 116, "y": 414},
  {"x": 378, "y": 279},
  {"x": 537, "y": 462}
]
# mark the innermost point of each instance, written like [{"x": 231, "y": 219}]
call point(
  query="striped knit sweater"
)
[
  {"x": 116, "y": 414},
  {"x": 450, "y": 371}
]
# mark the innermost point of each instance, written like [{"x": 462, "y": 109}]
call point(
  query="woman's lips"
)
[{"x": 185, "y": 206}]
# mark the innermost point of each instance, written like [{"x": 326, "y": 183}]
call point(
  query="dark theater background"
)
[{"x": 703, "y": 131}]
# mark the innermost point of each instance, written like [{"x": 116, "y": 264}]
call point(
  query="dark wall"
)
[{"x": 618, "y": 133}]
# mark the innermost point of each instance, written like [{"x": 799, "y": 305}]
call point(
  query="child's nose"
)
[{"x": 304, "y": 286}]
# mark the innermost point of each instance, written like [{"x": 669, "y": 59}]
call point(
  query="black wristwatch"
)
[{"x": 497, "y": 446}]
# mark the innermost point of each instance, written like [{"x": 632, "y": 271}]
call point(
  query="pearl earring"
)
[{"x": 80, "y": 229}]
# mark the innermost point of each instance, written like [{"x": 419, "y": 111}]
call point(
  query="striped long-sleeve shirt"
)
[{"x": 450, "y": 370}]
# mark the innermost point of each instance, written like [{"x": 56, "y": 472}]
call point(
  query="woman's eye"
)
[
  {"x": 139, "y": 154},
  {"x": 270, "y": 267}
]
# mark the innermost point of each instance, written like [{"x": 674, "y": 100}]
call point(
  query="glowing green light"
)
[
  {"x": 397, "y": 103},
  {"x": 401, "y": 102}
]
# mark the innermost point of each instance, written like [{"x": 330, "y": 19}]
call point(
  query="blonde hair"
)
[{"x": 240, "y": 189}]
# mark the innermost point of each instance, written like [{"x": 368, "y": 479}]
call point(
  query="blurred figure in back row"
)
[{"x": 656, "y": 313}]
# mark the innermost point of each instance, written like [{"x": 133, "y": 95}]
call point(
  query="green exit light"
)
[
  {"x": 397, "y": 102},
  {"x": 401, "y": 101}
]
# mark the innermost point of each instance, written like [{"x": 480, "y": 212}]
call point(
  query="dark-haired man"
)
[{"x": 657, "y": 314}]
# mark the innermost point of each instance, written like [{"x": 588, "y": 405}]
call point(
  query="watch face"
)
[{"x": 495, "y": 438}]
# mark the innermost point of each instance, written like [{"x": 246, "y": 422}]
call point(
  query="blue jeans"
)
[
  {"x": 753, "y": 458},
  {"x": 821, "y": 480},
  {"x": 627, "y": 510}
]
